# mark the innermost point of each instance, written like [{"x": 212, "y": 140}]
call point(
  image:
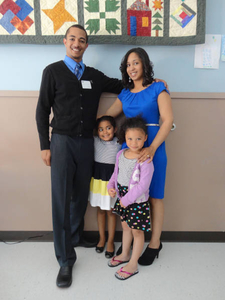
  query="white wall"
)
[{"x": 21, "y": 65}]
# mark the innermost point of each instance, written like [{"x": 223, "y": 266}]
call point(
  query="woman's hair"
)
[
  {"x": 148, "y": 74},
  {"x": 110, "y": 119},
  {"x": 131, "y": 123}
]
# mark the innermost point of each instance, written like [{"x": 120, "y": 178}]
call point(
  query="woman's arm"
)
[
  {"x": 166, "y": 114},
  {"x": 115, "y": 109}
]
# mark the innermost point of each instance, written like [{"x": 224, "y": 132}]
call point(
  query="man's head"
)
[{"x": 76, "y": 42}]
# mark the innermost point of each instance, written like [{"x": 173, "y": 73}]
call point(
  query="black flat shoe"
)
[
  {"x": 64, "y": 278},
  {"x": 149, "y": 256},
  {"x": 99, "y": 249},
  {"x": 109, "y": 254}
]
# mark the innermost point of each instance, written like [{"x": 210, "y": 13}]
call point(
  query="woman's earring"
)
[{"x": 129, "y": 79}]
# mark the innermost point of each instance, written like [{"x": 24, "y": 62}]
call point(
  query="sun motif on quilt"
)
[{"x": 158, "y": 4}]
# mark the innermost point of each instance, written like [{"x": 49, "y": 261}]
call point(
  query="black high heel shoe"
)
[{"x": 149, "y": 256}]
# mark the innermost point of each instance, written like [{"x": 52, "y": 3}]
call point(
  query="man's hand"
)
[
  {"x": 161, "y": 80},
  {"x": 46, "y": 156}
]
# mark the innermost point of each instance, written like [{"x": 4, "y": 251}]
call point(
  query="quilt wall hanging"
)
[{"x": 148, "y": 22}]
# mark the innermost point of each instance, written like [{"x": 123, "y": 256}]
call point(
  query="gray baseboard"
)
[{"x": 167, "y": 236}]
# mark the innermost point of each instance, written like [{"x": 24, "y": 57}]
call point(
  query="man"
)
[{"x": 72, "y": 90}]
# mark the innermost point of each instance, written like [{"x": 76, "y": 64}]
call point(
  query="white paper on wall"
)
[{"x": 207, "y": 55}]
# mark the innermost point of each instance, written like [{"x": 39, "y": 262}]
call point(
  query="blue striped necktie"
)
[{"x": 77, "y": 71}]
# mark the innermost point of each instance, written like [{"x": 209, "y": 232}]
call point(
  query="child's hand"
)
[
  {"x": 112, "y": 192},
  {"x": 121, "y": 204}
]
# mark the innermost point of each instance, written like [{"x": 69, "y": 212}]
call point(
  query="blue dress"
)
[{"x": 144, "y": 103}]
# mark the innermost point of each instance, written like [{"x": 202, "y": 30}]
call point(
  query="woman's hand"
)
[{"x": 147, "y": 153}]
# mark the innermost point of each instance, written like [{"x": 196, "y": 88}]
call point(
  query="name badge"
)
[{"x": 86, "y": 84}]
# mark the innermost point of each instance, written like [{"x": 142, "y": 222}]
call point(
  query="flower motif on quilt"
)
[
  {"x": 57, "y": 16},
  {"x": 16, "y": 17},
  {"x": 102, "y": 17},
  {"x": 143, "y": 18}
]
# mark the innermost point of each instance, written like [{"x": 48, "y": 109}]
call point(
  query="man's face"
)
[{"x": 75, "y": 43}]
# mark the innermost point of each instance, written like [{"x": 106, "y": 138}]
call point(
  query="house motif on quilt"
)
[{"x": 139, "y": 19}]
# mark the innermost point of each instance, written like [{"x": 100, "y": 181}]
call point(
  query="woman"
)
[{"x": 143, "y": 96}]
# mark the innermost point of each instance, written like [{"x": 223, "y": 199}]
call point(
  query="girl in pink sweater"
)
[{"x": 130, "y": 181}]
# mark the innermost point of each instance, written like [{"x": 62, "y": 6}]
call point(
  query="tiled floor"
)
[{"x": 184, "y": 271}]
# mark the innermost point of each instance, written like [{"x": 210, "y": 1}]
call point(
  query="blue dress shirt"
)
[{"x": 71, "y": 64}]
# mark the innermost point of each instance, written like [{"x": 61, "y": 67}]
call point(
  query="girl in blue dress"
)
[{"x": 143, "y": 96}]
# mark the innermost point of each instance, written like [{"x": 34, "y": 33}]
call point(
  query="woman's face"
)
[{"x": 134, "y": 67}]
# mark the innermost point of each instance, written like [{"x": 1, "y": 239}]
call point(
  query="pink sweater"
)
[{"x": 138, "y": 188}]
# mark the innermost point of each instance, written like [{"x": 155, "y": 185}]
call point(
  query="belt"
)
[{"x": 173, "y": 126}]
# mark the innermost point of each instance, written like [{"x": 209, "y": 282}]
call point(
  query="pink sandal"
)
[
  {"x": 119, "y": 262},
  {"x": 128, "y": 273}
]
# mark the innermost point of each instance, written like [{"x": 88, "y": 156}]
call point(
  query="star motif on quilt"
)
[
  {"x": 59, "y": 15},
  {"x": 102, "y": 11}
]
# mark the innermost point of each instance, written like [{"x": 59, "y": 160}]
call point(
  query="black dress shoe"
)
[
  {"x": 85, "y": 244},
  {"x": 149, "y": 256},
  {"x": 64, "y": 278}
]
